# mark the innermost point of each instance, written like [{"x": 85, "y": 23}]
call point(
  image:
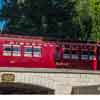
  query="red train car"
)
[
  {"x": 78, "y": 55},
  {"x": 19, "y": 51},
  {"x": 35, "y": 52}
]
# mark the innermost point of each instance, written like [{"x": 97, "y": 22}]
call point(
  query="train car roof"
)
[
  {"x": 20, "y": 37},
  {"x": 71, "y": 41},
  {"x": 41, "y": 39}
]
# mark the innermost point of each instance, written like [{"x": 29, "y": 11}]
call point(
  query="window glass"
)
[
  {"x": 84, "y": 55},
  {"x": 7, "y": 50},
  {"x": 91, "y": 55},
  {"x": 28, "y": 51},
  {"x": 66, "y": 54},
  {"x": 16, "y": 51},
  {"x": 75, "y": 55},
  {"x": 37, "y": 51}
]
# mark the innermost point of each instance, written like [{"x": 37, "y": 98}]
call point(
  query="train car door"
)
[{"x": 98, "y": 57}]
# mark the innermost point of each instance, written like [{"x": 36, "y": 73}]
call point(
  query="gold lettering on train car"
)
[{"x": 7, "y": 78}]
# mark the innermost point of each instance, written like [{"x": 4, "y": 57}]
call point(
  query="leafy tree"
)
[
  {"x": 69, "y": 27},
  {"x": 83, "y": 19},
  {"x": 69, "y": 19},
  {"x": 95, "y": 13}
]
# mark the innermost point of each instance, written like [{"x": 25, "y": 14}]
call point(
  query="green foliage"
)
[
  {"x": 69, "y": 19},
  {"x": 95, "y": 14},
  {"x": 83, "y": 18}
]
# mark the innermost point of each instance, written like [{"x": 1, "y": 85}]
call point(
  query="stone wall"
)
[{"x": 61, "y": 82}]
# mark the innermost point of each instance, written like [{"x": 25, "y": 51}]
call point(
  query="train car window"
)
[
  {"x": 91, "y": 55},
  {"x": 16, "y": 51},
  {"x": 84, "y": 55},
  {"x": 7, "y": 50},
  {"x": 74, "y": 55},
  {"x": 28, "y": 51},
  {"x": 37, "y": 51},
  {"x": 66, "y": 54}
]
